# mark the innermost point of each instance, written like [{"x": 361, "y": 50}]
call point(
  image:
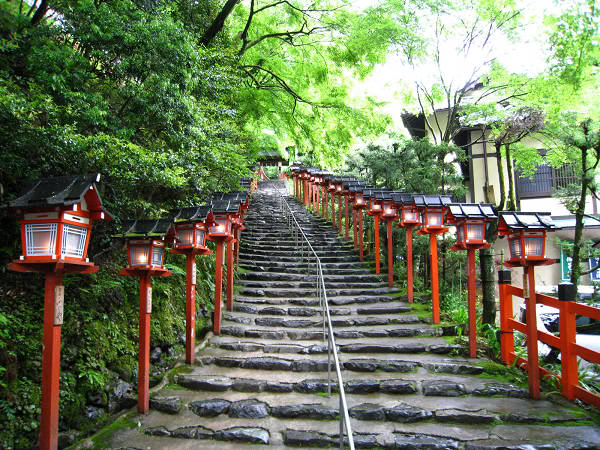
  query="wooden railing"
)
[{"x": 566, "y": 342}]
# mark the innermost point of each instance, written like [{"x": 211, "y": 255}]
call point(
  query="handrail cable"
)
[{"x": 297, "y": 232}]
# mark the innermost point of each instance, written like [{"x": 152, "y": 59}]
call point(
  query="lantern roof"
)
[
  {"x": 376, "y": 193},
  {"x": 471, "y": 211},
  {"x": 427, "y": 201},
  {"x": 200, "y": 213},
  {"x": 224, "y": 207},
  {"x": 231, "y": 196},
  {"x": 516, "y": 220},
  {"x": 403, "y": 198},
  {"x": 61, "y": 191},
  {"x": 152, "y": 228},
  {"x": 349, "y": 183}
]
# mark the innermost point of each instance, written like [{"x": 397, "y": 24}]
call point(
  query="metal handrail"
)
[{"x": 322, "y": 296}]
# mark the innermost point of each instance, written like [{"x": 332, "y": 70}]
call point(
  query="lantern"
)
[
  {"x": 526, "y": 231},
  {"x": 409, "y": 219},
  {"x": 56, "y": 217},
  {"x": 146, "y": 244},
  {"x": 470, "y": 220}
]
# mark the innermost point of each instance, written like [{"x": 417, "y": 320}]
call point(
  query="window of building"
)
[{"x": 546, "y": 181}]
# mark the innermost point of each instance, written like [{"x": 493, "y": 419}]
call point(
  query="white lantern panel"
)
[
  {"x": 157, "y": 256},
  {"x": 534, "y": 246},
  {"x": 475, "y": 232},
  {"x": 515, "y": 247},
  {"x": 434, "y": 219},
  {"x": 185, "y": 237},
  {"x": 40, "y": 239},
  {"x": 138, "y": 255},
  {"x": 73, "y": 241},
  {"x": 460, "y": 234}
]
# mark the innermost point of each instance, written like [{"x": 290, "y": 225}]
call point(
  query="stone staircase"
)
[{"x": 264, "y": 379}]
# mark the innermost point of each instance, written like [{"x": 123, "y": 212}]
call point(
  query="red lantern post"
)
[
  {"x": 332, "y": 189},
  {"x": 359, "y": 205},
  {"x": 433, "y": 210},
  {"x": 375, "y": 212},
  {"x": 221, "y": 231},
  {"x": 389, "y": 214},
  {"x": 527, "y": 245},
  {"x": 191, "y": 228},
  {"x": 56, "y": 217},
  {"x": 146, "y": 244},
  {"x": 409, "y": 219},
  {"x": 470, "y": 220}
]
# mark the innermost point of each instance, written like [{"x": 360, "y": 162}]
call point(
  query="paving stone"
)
[
  {"x": 267, "y": 363},
  {"x": 316, "y": 349},
  {"x": 244, "y": 434},
  {"x": 342, "y": 322},
  {"x": 304, "y": 335},
  {"x": 306, "y": 312},
  {"x": 241, "y": 346},
  {"x": 374, "y": 333},
  {"x": 403, "y": 332},
  {"x": 346, "y": 334},
  {"x": 405, "y": 413},
  {"x": 205, "y": 382},
  {"x": 443, "y": 388},
  {"x": 456, "y": 368},
  {"x": 297, "y": 438},
  {"x": 361, "y": 365},
  {"x": 411, "y": 441},
  {"x": 383, "y": 310},
  {"x": 362, "y": 440},
  {"x": 241, "y": 307},
  {"x": 443, "y": 349},
  {"x": 236, "y": 319},
  {"x": 249, "y": 409},
  {"x": 305, "y": 411},
  {"x": 397, "y": 366},
  {"x": 367, "y": 411},
  {"x": 169, "y": 405},
  {"x": 311, "y": 386},
  {"x": 361, "y": 386},
  {"x": 192, "y": 432},
  {"x": 157, "y": 431},
  {"x": 370, "y": 321},
  {"x": 210, "y": 408},
  {"x": 227, "y": 362},
  {"x": 248, "y": 385},
  {"x": 310, "y": 365},
  {"x": 300, "y": 323},
  {"x": 272, "y": 311},
  {"x": 279, "y": 386},
  {"x": 498, "y": 444},
  {"x": 398, "y": 387},
  {"x": 270, "y": 321},
  {"x": 264, "y": 334},
  {"x": 233, "y": 331},
  {"x": 500, "y": 389},
  {"x": 461, "y": 416},
  {"x": 283, "y": 348}
]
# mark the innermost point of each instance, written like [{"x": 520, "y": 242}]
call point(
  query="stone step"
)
[
  {"x": 310, "y": 284},
  {"x": 300, "y": 292},
  {"x": 285, "y": 253},
  {"x": 328, "y": 269},
  {"x": 293, "y": 258},
  {"x": 281, "y": 276},
  {"x": 309, "y": 311},
  {"x": 333, "y": 300},
  {"x": 231, "y": 328},
  {"x": 348, "y": 321},
  {"x": 252, "y": 245}
]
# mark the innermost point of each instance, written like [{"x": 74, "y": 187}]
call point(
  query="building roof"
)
[{"x": 60, "y": 191}]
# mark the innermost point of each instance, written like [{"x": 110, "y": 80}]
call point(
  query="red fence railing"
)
[{"x": 566, "y": 342}]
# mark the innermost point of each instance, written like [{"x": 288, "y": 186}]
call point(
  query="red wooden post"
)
[
  {"x": 230, "y": 275},
  {"x": 472, "y": 306},
  {"x": 376, "y": 221},
  {"x": 507, "y": 341},
  {"x": 409, "y": 264},
  {"x": 435, "y": 295},
  {"x": 333, "y": 210},
  {"x": 354, "y": 225},
  {"x": 144, "y": 343},
  {"x": 218, "y": 288},
  {"x": 360, "y": 234},
  {"x": 390, "y": 254},
  {"x": 306, "y": 192},
  {"x": 190, "y": 308},
  {"x": 326, "y": 208},
  {"x": 319, "y": 206},
  {"x": 238, "y": 238},
  {"x": 533, "y": 368},
  {"x": 346, "y": 215},
  {"x": 568, "y": 331},
  {"x": 51, "y": 360},
  {"x": 340, "y": 213}
]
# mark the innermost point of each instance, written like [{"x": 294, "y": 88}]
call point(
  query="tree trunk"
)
[
  {"x": 217, "y": 25},
  {"x": 40, "y": 13},
  {"x": 512, "y": 202},
  {"x": 486, "y": 267},
  {"x": 500, "y": 165},
  {"x": 579, "y": 214}
]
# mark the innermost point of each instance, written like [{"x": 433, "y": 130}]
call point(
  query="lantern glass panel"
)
[
  {"x": 409, "y": 216},
  {"x": 185, "y": 237},
  {"x": 460, "y": 234},
  {"x": 475, "y": 231},
  {"x": 40, "y": 239},
  {"x": 220, "y": 226},
  {"x": 534, "y": 246},
  {"x": 73, "y": 241},
  {"x": 515, "y": 247},
  {"x": 200, "y": 238},
  {"x": 434, "y": 219},
  {"x": 157, "y": 256},
  {"x": 138, "y": 255}
]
